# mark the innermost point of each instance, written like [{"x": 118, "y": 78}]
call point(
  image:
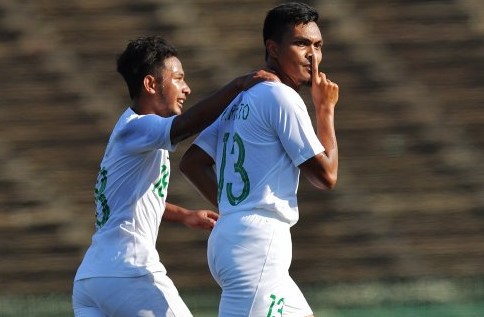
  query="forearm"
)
[
  {"x": 327, "y": 136},
  {"x": 322, "y": 169},
  {"x": 195, "y": 219},
  {"x": 174, "y": 213},
  {"x": 204, "y": 112}
]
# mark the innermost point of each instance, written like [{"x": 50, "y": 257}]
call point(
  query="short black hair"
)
[
  {"x": 282, "y": 18},
  {"x": 142, "y": 57}
]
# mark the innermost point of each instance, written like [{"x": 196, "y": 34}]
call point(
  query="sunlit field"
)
[{"x": 429, "y": 298}]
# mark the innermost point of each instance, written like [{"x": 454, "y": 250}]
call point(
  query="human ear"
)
[
  {"x": 272, "y": 49},
  {"x": 149, "y": 84}
]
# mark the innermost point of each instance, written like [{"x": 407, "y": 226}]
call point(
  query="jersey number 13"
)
[{"x": 238, "y": 168}]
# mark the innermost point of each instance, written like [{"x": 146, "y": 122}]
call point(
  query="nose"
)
[
  {"x": 310, "y": 56},
  {"x": 311, "y": 53},
  {"x": 314, "y": 53},
  {"x": 186, "y": 89}
]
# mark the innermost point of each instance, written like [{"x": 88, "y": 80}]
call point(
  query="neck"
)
[
  {"x": 142, "y": 106},
  {"x": 135, "y": 106},
  {"x": 285, "y": 79}
]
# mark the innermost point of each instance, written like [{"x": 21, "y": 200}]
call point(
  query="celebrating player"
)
[
  {"x": 259, "y": 145},
  {"x": 121, "y": 273}
]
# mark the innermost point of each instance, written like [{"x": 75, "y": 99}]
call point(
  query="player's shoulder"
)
[
  {"x": 275, "y": 96},
  {"x": 272, "y": 85},
  {"x": 132, "y": 124},
  {"x": 273, "y": 88}
]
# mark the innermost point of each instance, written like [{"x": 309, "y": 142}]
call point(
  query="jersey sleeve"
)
[
  {"x": 148, "y": 132},
  {"x": 207, "y": 139},
  {"x": 293, "y": 126}
]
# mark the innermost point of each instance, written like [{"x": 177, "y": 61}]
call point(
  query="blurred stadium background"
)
[{"x": 401, "y": 235}]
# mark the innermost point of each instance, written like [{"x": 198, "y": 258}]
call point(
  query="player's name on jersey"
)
[{"x": 236, "y": 112}]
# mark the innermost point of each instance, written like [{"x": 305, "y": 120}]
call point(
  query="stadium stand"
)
[{"x": 409, "y": 203}]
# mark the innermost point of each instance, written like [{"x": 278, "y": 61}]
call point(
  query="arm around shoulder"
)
[{"x": 204, "y": 112}]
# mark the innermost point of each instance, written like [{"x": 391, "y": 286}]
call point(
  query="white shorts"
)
[
  {"x": 145, "y": 296},
  {"x": 249, "y": 257}
]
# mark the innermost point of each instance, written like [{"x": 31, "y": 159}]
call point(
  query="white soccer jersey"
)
[
  {"x": 130, "y": 196},
  {"x": 257, "y": 144}
]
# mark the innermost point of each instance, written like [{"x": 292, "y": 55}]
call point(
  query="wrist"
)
[
  {"x": 183, "y": 214},
  {"x": 327, "y": 110},
  {"x": 175, "y": 213}
]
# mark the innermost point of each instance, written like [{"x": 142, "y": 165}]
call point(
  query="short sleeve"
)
[
  {"x": 148, "y": 132},
  {"x": 207, "y": 139},
  {"x": 294, "y": 128}
]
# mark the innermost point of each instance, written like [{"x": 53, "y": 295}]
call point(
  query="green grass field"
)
[{"x": 429, "y": 298}]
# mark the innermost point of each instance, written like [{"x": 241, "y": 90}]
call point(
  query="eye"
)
[{"x": 178, "y": 77}]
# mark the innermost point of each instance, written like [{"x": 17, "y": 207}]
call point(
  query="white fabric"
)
[
  {"x": 144, "y": 296},
  {"x": 269, "y": 132},
  {"x": 249, "y": 255},
  {"x": 130, "y": 199},
  {"x": 257, "y": 145}
]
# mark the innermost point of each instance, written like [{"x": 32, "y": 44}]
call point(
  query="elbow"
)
[
  {"x": 184, "y": 166},
  {"x": 327, "y": 181},
  {"x": 194, "y": 162},
  {"x": 323, "y": 182},
  {"x": 320, "y": 174},
  {"x": 330, "y": 182}
]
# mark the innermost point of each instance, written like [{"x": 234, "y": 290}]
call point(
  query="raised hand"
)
[{"x": 324, "y": 92}]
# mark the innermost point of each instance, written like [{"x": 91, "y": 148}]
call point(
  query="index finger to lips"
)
[{"x": 315, "y": 70}]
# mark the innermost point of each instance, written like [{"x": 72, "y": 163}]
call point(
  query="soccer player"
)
[
  {"x": 121, "y": 273},
  {"x": 259, "y": 146}
]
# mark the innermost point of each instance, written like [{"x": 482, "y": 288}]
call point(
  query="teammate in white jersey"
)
[
  {"x": 259, "y": 145},
  {"x": 121, "y": 273}
]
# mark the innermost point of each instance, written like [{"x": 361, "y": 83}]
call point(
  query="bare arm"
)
[
  {"x": 195, "y": 219},
  {"x": 204, "y": 112},
  {"x": 197, "y": 167},
  {"x": 322, "y": 169}
]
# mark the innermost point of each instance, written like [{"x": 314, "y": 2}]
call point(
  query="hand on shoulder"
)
[{"x": 255, "y": 77}]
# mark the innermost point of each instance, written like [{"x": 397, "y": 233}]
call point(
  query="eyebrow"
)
[
  {"x": 305, "y": 40},
  {"x": 178, "y": 73}
]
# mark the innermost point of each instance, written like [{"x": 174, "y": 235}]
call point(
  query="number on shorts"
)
[{"x": 276, "y": 303}]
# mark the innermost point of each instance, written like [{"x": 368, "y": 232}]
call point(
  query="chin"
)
[
  {"x": 307, "y": 83},
  {"x": 307, "y": 80}
]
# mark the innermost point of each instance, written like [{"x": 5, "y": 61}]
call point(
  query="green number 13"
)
[
  {"x": 276, "y": 303},
  {"x": 238, "y": 168}
]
